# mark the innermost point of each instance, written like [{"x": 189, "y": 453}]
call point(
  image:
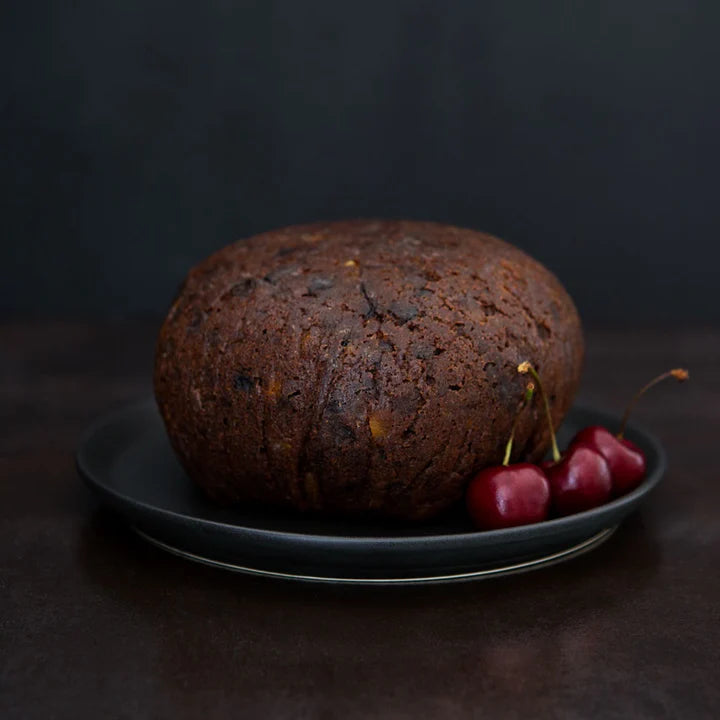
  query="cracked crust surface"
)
[{"x": 361, "y": 366}]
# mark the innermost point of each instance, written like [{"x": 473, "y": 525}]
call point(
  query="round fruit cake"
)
[{"x": 361, "y": 366}]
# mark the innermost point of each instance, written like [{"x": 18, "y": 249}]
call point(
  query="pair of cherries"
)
[{"x": 596, "y": 467}]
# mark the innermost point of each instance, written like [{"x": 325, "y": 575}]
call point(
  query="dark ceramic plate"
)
[{"x": 127, "y": 459}]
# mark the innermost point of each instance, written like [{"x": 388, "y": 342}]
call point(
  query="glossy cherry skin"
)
[
  {"x": 579, "y": 481},
  {"x": 626, "y": 460},
  {"x": 506, "y": 496}
]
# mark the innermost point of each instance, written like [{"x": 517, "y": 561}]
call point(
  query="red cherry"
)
[
  {"x": 625, "y": 459},
  {"x": 510, "y": 495},
  {"x": 597, "y": 462},
  {"x": 579, "y": 481}
]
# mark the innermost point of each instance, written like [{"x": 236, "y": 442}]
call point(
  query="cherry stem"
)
[
  {"x": 680, "y": 374},
  {"x": 524, "y": 368},
  {"x": 527, "y": 397}
]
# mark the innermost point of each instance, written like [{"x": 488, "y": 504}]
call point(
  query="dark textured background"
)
[{"x": 138, "y": 136}]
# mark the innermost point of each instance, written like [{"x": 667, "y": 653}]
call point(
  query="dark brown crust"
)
[{"x": 361, "y": 366}]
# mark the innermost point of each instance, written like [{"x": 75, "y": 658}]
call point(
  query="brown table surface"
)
[{"x": 95, "y": 623}]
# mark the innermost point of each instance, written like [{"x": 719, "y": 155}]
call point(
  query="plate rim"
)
[
  {"x": 486, "y": 573},
  {"x": 509, "y": 535}
]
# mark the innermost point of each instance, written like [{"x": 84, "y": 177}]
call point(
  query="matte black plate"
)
[{"x": 127, "y": 459}]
